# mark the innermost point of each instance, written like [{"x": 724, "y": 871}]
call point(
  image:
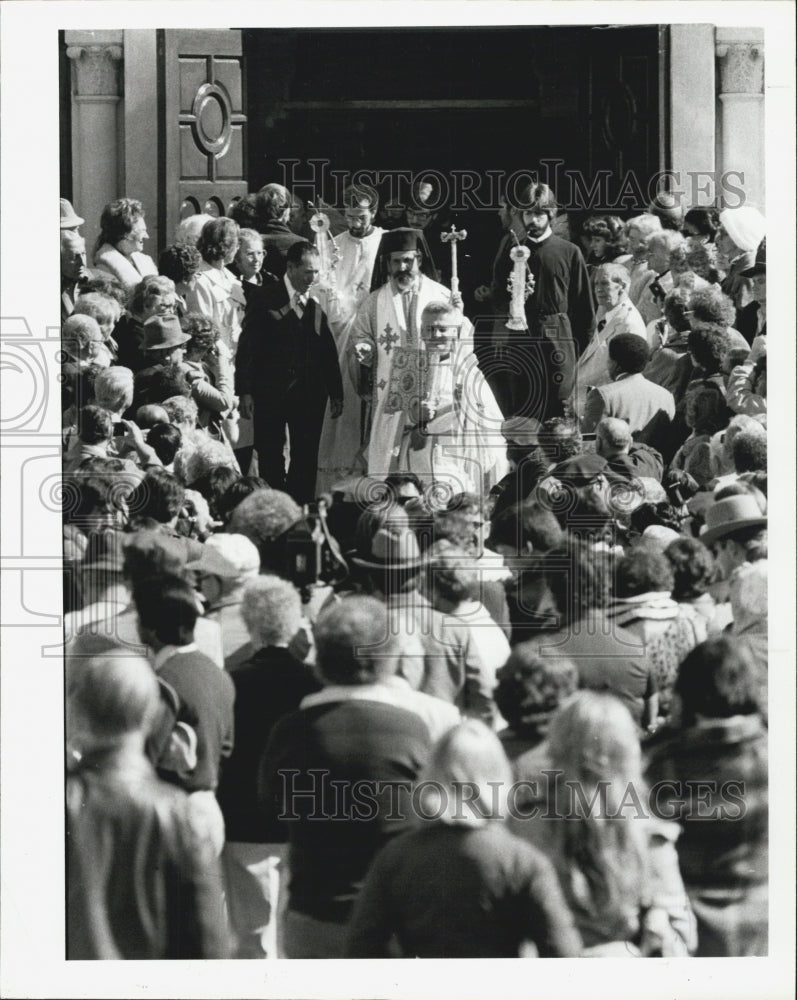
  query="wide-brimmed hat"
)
[
  {"x": 760, "y": 266},
  {"x": 163, "y": 332},
  {"x": 731, "y": 514},
  {"x": 232, "y": 557},
  {"x": 394, "y": 546},
  {"x": 69, "y": 217}
]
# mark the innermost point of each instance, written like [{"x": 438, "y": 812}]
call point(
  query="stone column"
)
[
  {"x": 740, "y": 126},
  {"x": 692, "y": 112},
  {"x": 96, "y": 95}
]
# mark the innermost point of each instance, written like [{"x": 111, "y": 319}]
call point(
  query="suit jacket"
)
[
  {"x": 646, "y": 407},
  {"x": 280, "y": 355}
]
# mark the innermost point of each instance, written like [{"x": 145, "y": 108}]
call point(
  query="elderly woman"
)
[
  {"x": 153, "y": 296},
  {"x": 248, "y": 263},
  {"x": 661, "y": 248},
  {"x": 268, "y": 685},
  {"x": 120, "y": 245},
  {"x": 461, "y": 885},
  {"x": 106, "y": 310},
  {"x": 638, "y": 231},
  {"x": 113, "y": 391},
  {"x": 217, "y": 293},
  {"x": 616, "y": 314}
]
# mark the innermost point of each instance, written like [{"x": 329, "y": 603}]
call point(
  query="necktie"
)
[
  {"x": 298, "y": 307},
  {"x": 601, "y": 325}
]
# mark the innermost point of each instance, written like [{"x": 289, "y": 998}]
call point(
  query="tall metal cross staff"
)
[{"x": 454, "y": 237}]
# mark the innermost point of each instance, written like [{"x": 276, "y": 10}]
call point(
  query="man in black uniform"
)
[
  {"x": 540, "y": 363},
  {"x": 285, "y": 369}
]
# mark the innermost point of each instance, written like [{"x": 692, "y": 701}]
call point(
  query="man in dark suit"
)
[{"x": 286, "y": 368}]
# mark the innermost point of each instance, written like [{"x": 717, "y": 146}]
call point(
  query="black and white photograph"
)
[{"x": 385, "y": 504}]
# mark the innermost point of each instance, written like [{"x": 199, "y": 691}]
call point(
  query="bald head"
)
[
  {"x": 110, "y": 696},
  {"x": 613, "y": 437}
]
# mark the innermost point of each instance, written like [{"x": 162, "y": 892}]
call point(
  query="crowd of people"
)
[{"x": 416, "y": 612}]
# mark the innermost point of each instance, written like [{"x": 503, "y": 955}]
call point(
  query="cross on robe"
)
[{"x": 388, "y": 339}]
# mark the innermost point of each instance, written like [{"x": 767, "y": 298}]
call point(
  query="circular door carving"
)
[
  {"x": 212, "y": 114},
  {"x": 618, "y": 116}
]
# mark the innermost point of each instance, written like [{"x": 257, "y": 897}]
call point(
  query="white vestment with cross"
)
[
  {"x": 339, "y": 447},
  {"x": 397, "y": 388}
]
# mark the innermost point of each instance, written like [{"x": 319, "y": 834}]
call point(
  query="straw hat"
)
[
  {"x": 163, "y": 332},
  {"x": 731, "y": 514},
  {"x": 69, "y": 217},
  {"x": 394, "y": 546}
]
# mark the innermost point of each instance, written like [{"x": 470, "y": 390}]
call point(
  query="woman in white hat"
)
[{"x": 740, "y": 232}]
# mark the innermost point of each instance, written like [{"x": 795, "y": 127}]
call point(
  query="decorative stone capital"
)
[
  {"x": 96, "y": 69},
  {"x": 741, "y": 68}
]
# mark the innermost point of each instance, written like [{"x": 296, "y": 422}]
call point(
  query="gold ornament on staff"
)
[
  {"x": 454, "y": 237},
  {"x": 328, "y": 253},
  {"x": 520, "y": 286}
]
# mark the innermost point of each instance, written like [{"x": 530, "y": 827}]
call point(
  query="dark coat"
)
[
  {"x": 277, "y": 238},
  {"x": 280, "y": 355},
  {"x": 268, "y": 686},
  {"x": 352, "y": 742}
]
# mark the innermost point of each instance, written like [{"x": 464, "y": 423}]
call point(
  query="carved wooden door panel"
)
[
  {"x": 627, "y": 111},
  {"x": 202, "y": 124}
]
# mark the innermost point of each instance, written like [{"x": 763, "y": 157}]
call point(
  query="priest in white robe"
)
[
  {"x": 432, "y": 411},
  {"x": 355, "y": 253}
]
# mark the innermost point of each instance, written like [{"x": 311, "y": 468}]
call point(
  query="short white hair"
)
[
  {"x": 667, "y": 239},
  {"x": 188, "y": 230},
  {"x": 271, "y": 609},
  {"x": 113, "y": 388},
  {"x": 616, "y": 273},
  {"x": 647, "y": 224},
  {"x": 200, "y": 455}
]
